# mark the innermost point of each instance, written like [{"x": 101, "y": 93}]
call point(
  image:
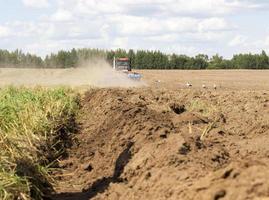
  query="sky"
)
[{"x": 188, "y": 27}]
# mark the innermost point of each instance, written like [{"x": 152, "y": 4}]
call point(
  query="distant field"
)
[
  {"x": 104, "y": 77},
  {"x": 226, "y": 79}
]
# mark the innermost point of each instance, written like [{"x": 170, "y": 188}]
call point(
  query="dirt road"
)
[{"x": 169, "y": 144}]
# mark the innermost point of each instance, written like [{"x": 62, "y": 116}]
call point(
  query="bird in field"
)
[
  {"x": 188, "y": 84},
  {"x": 215, "y": 86},
  {"x": 204, "y": 86}
]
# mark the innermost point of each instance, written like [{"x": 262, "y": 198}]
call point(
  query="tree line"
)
[{"x": 140, "y": 59}]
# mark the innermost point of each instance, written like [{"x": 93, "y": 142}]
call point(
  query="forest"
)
[{"x": 140, "y": 59}]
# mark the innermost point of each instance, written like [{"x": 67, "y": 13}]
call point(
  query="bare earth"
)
[
  {"x": 162, "y": 140},
  {"x": 103, "y": 76},
  {"x": 225, "y": 79},
  {"x": 169, "y": 144}
]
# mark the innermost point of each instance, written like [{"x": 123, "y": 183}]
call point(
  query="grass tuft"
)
[
  {"x": 201, "y": 107},
  {"x": 35, "y": 128}
]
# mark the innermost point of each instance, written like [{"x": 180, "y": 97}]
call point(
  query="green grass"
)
[{"x": 35, "y": 128}]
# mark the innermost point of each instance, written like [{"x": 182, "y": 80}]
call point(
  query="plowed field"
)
[{"x": 149, "y": 143}]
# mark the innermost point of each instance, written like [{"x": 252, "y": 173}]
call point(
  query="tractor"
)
[{"x": 124, "y": 65}]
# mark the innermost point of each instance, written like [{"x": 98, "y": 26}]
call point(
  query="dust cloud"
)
[{"x": 96, "y": 72}]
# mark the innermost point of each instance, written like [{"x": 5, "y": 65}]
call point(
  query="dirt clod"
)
[
  {"x": 220, "y": 194},
  {"x": 185, "y": 149},
  {"x": 178, "y": 109}
]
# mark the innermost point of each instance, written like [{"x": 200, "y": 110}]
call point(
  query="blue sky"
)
[{"x": 172, "y": 26}]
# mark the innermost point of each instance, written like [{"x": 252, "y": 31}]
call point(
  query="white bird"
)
[
  {"x": 188, "y": 84},
  {"x": 215, "y": 86},
  {"x": 204, "y": 86}
]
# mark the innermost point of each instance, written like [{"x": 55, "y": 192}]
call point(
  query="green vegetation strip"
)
[
  {"x": 140, "y": 59},
  {"x": 35, "y": 129}
]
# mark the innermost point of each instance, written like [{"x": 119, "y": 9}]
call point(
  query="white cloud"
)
[
  {"x": 267, "y": 41},
  {"x": 179, "y": 25},
  {"x": 159, "y": 7},
  {"x": 145, "y": 26},
  {"x": 120, "y": 42},
  {"x": 214, "y": 24},
  {"x": 238, "y": 40},
  {"x": 62, "y": 15},
  {"x": 213, "y": 7},
  {"x": 36, "y": 3},
  {"x": 4, "y": 31}
]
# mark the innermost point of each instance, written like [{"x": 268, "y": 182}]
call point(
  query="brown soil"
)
[
  {"x": 224, "y": 79},
  {"x": 168, "y": 144},
  {"x": 103, "y": 76}
]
